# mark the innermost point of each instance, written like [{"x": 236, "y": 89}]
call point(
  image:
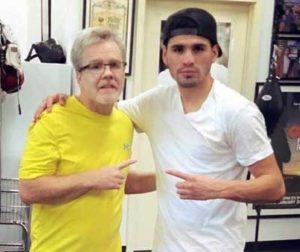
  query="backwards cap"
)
[{"x": 191, "y": 21}]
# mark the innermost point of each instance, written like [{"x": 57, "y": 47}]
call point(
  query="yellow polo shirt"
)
[{"x": 69, "y": 140}]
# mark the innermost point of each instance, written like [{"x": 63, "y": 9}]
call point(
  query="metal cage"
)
[{"x": 13, "y": 212}]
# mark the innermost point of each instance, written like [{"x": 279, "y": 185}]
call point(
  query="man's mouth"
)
[
  {"x": 108, "y": 86},
  {"x": 187, "y": 71}
]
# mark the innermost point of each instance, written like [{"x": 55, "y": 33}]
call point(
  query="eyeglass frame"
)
[{"x": 101, "y": 69}]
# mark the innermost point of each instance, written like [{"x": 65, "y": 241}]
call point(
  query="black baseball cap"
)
[{"x": 191, "y": 21}]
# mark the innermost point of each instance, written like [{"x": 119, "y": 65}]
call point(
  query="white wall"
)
[
  {"x": 15, "y": 14},
  {"x": 265, "y": 41}
]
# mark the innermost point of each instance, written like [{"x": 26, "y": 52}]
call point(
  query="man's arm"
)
[
  {"x": 140, "y": 182},
  {"x": 53, "y": 189},
  {"x": 267, "y": 185}
]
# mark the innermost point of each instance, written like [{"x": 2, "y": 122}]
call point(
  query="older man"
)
[{"x": 75, "y": 160}]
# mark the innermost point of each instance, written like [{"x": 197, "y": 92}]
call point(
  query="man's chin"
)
[
  {"x": 187, "y": 84},
  {"x": 108, "y": 99}
]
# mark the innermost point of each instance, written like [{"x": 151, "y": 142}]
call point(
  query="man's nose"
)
[
  {"x": 188, "y": 58},
  {"x": 107, "y": 72}
]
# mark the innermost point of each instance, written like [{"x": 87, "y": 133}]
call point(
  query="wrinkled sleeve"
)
[
  {"x": 139, "y": 109},
  {"x": 248, "y": 136},
  {"x": 41, "y": 155}
]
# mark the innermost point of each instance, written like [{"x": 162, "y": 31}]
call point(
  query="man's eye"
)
[
  {"x": 178, "y": 49},
  {"x": 96, "y": 66},
  {"x": 198, "y": 48},
  {"x": 115, "y": 65}
]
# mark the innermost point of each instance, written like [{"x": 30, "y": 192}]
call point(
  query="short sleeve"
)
[
  {"x": 248, "y": 136},
  {"x": 41, "y": 154}
]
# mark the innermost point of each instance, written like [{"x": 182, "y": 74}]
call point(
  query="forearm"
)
[
  {"x": 266, "y": 188},
  {"x": 140, "y": 182},
  {"x": 53, "y": 189}
]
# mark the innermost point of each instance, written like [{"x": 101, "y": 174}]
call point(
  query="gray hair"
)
[{"x": 90, "y": 36}]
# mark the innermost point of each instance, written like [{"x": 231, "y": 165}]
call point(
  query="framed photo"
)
[
  {"x": 285, "y": 141},
  {"x": 288, "y": 59},
  {"x": 124, "y": 92},
  {"x": 288, "y": 13},
  {"x": 117, "y": 15}
]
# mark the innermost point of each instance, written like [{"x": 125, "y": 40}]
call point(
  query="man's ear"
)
[
  {"x": 215, "y": 49},
  {"x": 164, "y": 52}
]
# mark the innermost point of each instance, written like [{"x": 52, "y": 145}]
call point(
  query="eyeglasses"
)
[{"x": 99, "y": 67}]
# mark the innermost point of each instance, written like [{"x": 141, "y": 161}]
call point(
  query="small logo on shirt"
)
[{"x": 126, "y": 147}]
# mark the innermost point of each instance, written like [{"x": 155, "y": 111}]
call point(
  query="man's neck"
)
[
  {"x": 96, "y": 107},
  {"x": 192, "y": 98}
]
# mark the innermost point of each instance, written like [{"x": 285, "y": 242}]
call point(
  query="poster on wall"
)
[
  {"x": 285, "y": 141},
  {"x": 288, "y": 59},
  {"x": 117, "y": 15},
  {"x": 289, "y": 17},
  {"x": 223, "y": 36}
]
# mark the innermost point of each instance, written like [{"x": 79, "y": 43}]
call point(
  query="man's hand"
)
[
  {"x": 196, "y": 187},
  {"x": 111, "y": 177},
  {"x": 54, "y": 189},
  {"x": 48, "y": 103}
]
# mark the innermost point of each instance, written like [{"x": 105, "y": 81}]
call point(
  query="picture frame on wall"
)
[
  {"x": 123, "y": 95},
  {"x": 288, "y": 59},
  {"x": 285, "y": 141},
  {"x": 117, "y": 15},
  {"x": 288, "y": 17}
]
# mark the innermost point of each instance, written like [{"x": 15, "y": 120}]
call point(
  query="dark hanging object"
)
[
  {"x": 47, "y": 51},
  {"x": 12, "y": 76},
  {"x": 270, "y": 101}
]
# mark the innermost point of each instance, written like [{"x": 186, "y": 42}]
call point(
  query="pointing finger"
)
[
  {"x": 179, "y": 174},
  {"x": 126, "y": 163}
]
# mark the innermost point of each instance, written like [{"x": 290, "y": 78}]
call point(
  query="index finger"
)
[
  {"x": 39, "y": 111},
  {"x": 126, "y": 163},
  {"x": 62, "y": 99},
  {"x": 50, "y": 101},
  {"x": 179, "y": 174}
]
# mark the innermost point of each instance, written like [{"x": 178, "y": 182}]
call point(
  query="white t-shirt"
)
[
  {"x": 219, "y": 140},
  {"x": 218, "y": 72}
]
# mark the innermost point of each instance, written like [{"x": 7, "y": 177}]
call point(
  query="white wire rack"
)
[{"x": 13, "y": 212}]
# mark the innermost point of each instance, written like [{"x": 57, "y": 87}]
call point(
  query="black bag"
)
[
  {"x": 270, "y": 101},
  {"x": 47, "y": 51}
]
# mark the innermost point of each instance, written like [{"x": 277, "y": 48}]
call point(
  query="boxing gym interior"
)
[{"x": 260, "y": 40}]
